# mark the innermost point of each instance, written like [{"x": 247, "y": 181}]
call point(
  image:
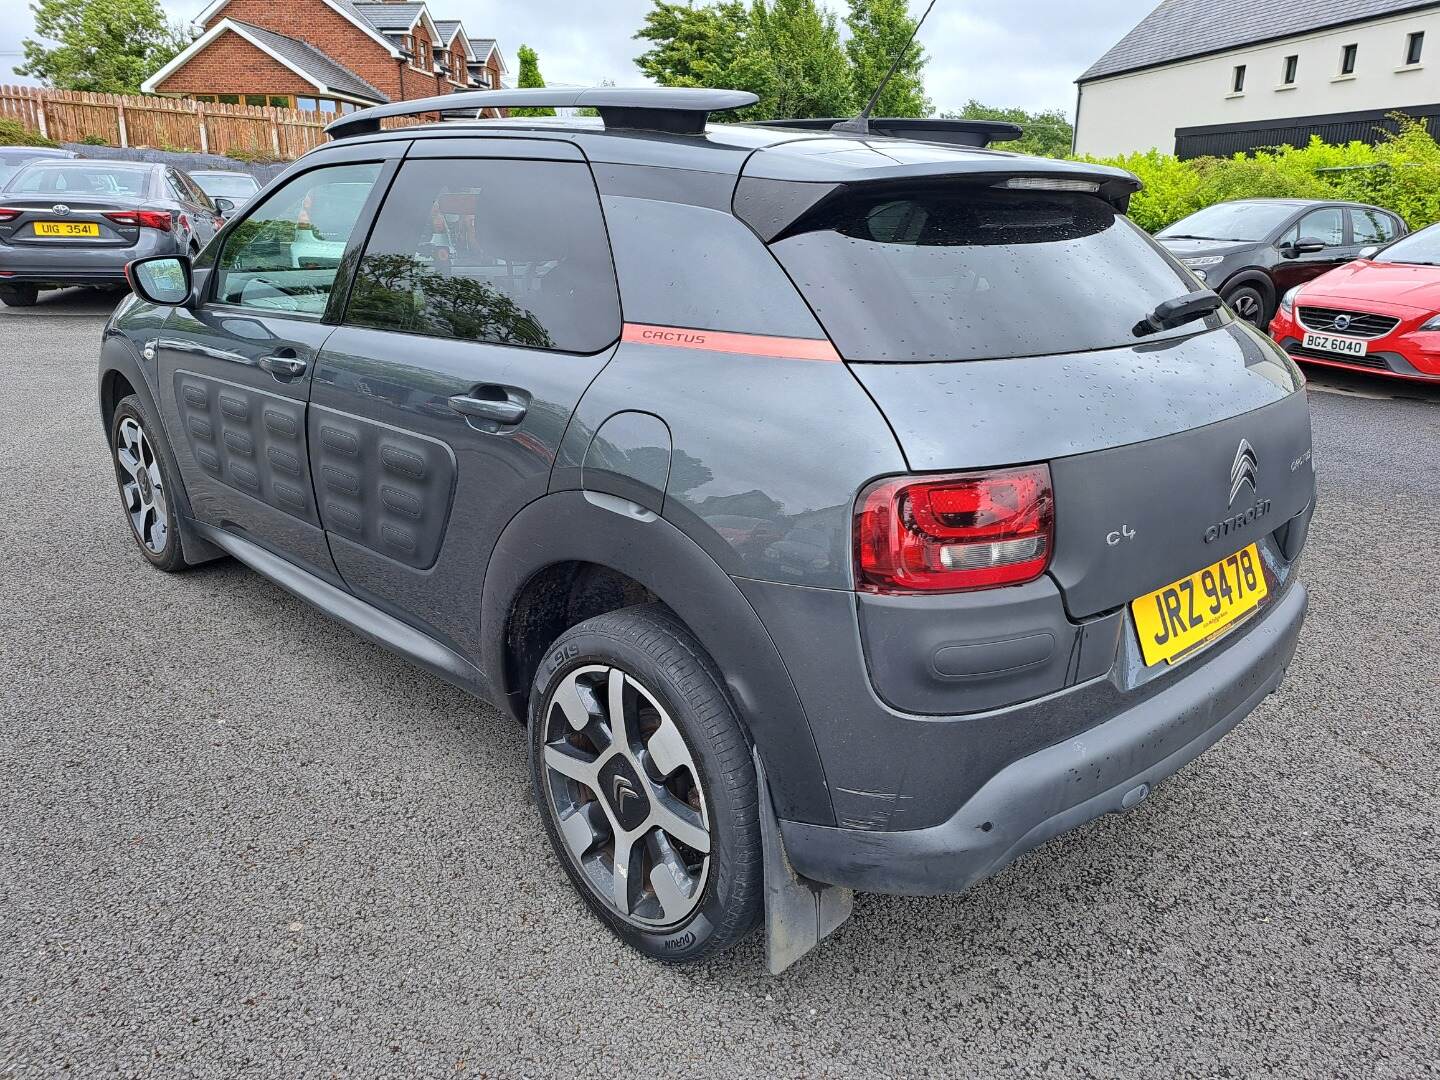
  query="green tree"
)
[
  {"x": 1048, "y": 133},
  {"x": 800, "y": 63},
  {"x": 787, "y": 52},
  {"x": 879, "y": 29},
  {"x": 530, "y": 79},
  {"x": 103, "y": 46}
]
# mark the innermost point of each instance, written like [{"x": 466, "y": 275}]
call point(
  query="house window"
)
[
  {"x": 307, "y": 104},
  {"x": 1237, "y": 80},
  {"x": 280, "y": 101},
  {"x": 255, "y": 99},
  {"x": 1414, "y": 46},
  {"x": 1347, "y": 59},
  {"x": 228, "y": 99},
  {"x": 1289, "y": 70}
]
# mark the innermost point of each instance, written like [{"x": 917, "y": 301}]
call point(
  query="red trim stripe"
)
[{"x": 680, "y": 337}]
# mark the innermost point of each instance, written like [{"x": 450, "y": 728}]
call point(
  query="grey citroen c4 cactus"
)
[{"x": 837, "y": 509}]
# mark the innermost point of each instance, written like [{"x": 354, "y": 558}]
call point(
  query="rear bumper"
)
[
  {"x": 34, "y": 264},
  {"x": 1107, "y": 768}
]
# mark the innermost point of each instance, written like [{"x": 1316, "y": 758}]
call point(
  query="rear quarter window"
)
[{"x": 960, "y": 273}]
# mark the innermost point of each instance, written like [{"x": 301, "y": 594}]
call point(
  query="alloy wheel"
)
[
  {"x": 626, "y": 796},
  {"x": 1248, "y": 308},
  {"x": 141, "y": 486}
]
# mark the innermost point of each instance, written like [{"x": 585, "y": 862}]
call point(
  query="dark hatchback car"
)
[
  {"x": 1253, "y": 251},
  {"x": 66, "y": 223},
  {"x": 837, "y": 512}
]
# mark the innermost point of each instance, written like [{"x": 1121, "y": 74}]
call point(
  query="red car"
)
[{"x": 1380, "y": 313}]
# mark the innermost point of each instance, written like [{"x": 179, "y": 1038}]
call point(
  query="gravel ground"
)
[{"x": 237, "y": 841}]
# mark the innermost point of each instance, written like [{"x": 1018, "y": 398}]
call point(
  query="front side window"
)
[
  {"x": 284, "y": 256},
  {"x": 956, "y": 272},
  {"x": 510, "y": 252},
  {"x": 1371, "y": 227},
  {"x": 1348, "y": 56},
  {"x": 1327, "y": 226}
]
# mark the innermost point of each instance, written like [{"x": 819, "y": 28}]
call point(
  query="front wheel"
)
[
  {"x": 144, "y": 485},
  {"x": 1249, "y": 304},
  {"x": 646, "y": 785}
]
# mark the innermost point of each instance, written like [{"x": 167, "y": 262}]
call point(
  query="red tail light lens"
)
[
  {"x": 146, "y": 219},
  {"x": 954, "y": 533},
  {"x": 6, "y": 214}
]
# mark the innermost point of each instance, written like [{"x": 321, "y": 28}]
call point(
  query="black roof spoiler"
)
[
  {"x": 979, "y": 133},
  {"x": 680, "y": 110}
]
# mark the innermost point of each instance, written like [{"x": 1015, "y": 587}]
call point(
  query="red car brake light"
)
[
  {"x": 954, "y": 533},
  {"x": 7, "y": 214},
  {"x": 146, "y": 219}
]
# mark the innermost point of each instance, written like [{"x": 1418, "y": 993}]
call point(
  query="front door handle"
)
[
  {"x": 281, "y": 364},
  {"x": 500, "y": 405}
]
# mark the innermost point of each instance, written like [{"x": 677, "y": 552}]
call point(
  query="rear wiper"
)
[{"x": 1169, "y": 314}]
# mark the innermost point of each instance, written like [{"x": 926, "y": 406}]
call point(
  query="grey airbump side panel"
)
[
  {"x": 380, "y": 487},
  {"x": 249, "y": 440}
]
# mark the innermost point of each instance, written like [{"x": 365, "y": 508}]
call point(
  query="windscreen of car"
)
[
  {"x": 226, "y": 187},
  {"x": 1245, "y": 221},
  {"x": 100, "y": 180},
  {"x": 960, "y": 273},
  {"x": 1421, "y": 249},
  {"x": 10, "y": 163}
]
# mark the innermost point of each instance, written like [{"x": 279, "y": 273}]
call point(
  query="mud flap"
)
[{"x": 799, "y": 913}]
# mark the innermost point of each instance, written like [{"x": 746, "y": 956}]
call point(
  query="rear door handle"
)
[
  {"x": 500, "y": 404},
  {"x": 282, "y": 364}
]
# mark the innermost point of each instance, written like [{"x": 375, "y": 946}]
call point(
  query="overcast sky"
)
[{"x": 1003, "y": 52}]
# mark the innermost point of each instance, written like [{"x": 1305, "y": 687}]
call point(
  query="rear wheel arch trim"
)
[{"x": 565, "y": 527}]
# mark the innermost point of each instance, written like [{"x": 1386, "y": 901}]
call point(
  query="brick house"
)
[{"x": 326, "y": 55}]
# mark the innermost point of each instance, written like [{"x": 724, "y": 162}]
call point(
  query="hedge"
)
[{"x": 1400, "y": 173}]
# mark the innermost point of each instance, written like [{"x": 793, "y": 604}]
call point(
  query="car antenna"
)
[{"x": 861, "y": 124}]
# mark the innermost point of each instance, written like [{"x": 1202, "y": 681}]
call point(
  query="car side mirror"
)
[
  {"x": 1306, "y": 245},
  {"x": 165, "y": 280},
  {"x": 224, "y": 205},
  {"x": 1369, "y": 252}
]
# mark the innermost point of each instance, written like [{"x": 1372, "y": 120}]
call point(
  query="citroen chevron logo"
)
[
  {"x": 1246, "y": 467},
  {"x": 620, "y": 790}
]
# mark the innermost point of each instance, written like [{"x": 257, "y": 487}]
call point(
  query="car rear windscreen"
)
[
  {"x": 965, "y": 273},
  {"x": 101, "y": 180}
]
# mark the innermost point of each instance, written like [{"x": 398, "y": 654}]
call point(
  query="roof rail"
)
[
  {"x": 682, "y": 110},
  {"x": 978, "y": 133}
]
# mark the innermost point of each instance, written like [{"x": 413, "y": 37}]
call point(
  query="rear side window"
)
[
  {"x": 960, "y": 273},
  {"x": 1371, "y": 227},
  {"x": 509, "y": 252}
]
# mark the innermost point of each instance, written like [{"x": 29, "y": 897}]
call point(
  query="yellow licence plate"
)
[
  {"x": 1180, "y": 616},
  {"x": 66, "y": 228}
]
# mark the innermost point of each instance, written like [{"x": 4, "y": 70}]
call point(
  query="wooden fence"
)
[{"x": 165, "y": 123}]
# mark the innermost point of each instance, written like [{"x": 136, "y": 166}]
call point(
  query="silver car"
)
[
  {"x": 66, "y": 223},
  {"x": 237, "y": 188}
]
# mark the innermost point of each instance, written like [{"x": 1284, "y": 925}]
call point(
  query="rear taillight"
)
[
  {"x": 6, "y": 214},
  {"x": 146, "y": 219},
  {"x": 953, "y": 533}
]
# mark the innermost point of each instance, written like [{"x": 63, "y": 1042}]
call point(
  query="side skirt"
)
[{"x": 365, "y": 619}]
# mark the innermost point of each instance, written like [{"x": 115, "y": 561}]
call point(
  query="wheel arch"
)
[
  {"x": 121, "y": 376},
  {"x": 1256, "y": 279},
  {"x": 544, "y": 546}
]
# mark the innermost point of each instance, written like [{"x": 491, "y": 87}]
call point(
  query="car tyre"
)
[
  {"x": 145, "y": 485},
  {"x": 638, "y": 760},
  {"x": 19, "y": 295},
  {"x": 1249, "y": 304}
]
